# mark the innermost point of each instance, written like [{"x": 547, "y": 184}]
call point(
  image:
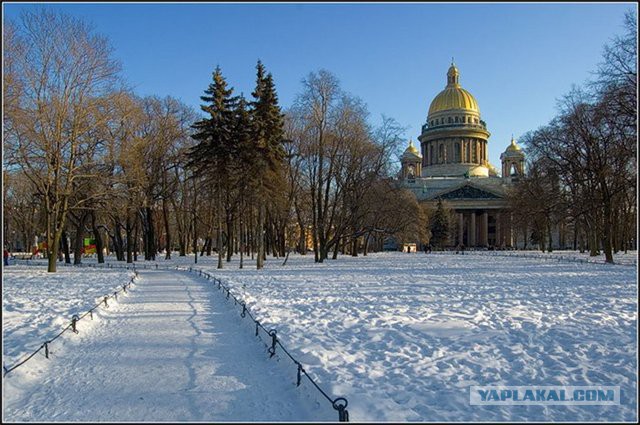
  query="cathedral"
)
[{"x": 452, "y": 164}]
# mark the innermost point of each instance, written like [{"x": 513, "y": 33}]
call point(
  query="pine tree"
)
[
  {"x": 243, "y": 136},
  {"x": 214, "y": 155},
  {"x": 268, "y": 136},
  {"x": 215, "y": 144},
  {"x": 439, "y": 226}
]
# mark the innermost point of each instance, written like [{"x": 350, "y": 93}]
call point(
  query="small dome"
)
[
  {"x": 493, "y": 171},
  {"x": 412, "y": 148},
  {"x": 513, "y": 147},
  {"x": 411, "y": 151},
  {"x": 453, "y": 72},
  {"x": 453, "y": 96}
]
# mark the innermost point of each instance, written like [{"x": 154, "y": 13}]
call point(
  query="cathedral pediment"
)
[{"x": 466, "y": 191}]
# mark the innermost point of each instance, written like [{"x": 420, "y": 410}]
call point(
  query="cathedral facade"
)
[{"x": 451, "y": 164}]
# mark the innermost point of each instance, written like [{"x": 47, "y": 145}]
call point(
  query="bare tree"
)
[{"x": 59, "y": 69}]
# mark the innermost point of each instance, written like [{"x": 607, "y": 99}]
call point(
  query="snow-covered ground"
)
[
  {"x": 169, "y": 350},
  {"x": 627, "y": 259},
  {"x": 37, "y": 305},
  {"x": 403, "y": 336}
]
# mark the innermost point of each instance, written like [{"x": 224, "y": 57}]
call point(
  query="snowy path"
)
[{"x": 172, "y": 350}]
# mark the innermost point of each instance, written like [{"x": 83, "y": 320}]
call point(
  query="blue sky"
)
[{"x": 516, "y": 59}]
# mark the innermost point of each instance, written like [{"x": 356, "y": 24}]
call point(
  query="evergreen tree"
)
[
  {"x": 215, "y": 144},
  {"x": 268, "y": 137},
  {"x": 243, "y": 135},
  {"x": 268, "y": 122},
  {"x": 439, "y": 226},
  {"x": 214, "y": 155}
]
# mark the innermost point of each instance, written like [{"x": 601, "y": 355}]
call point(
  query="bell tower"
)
[
  {"x": 512, "y": 161},
  {"x": 411, "y": 161}
]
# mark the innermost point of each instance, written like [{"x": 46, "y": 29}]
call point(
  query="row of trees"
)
[
  {"x": 582, "y": 169},
  {"x": 84, "y": 156}
]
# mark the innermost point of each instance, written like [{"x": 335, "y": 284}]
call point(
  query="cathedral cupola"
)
[
  {"x": 453, "y": 76},
  {"x": 454, "y": 140},
  {"x": 512, "y": 161},
  {"x": 411, "y": 161}
]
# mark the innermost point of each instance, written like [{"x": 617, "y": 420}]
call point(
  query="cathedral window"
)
[
  {"x": 456, "y": 119},
  {"x": 450, "y": 121}
]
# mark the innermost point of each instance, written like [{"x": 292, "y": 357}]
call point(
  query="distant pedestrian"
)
[{"x": 6, "y": 257}]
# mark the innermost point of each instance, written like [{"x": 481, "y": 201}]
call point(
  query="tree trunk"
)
[
  {"x": 241, "y": 232},
  {"x": 229, "y": 225},
  {"x": 219, "y": 234},
  {"x": 260, "y": 236},
  {"x": 336, "y": 249},
  {"x": 65, "y": 247},
  {"x": 365, "y": 248},
  {"x": 136, "y": 226},
  {"x": 98, "y": 237},
  {"x": 118, "y": 242},
  {"x": 167, "y": 229},
  {"x": 79, "y": 238},
  {"x": 606, "y": 236},
  {"x": 128, "y": 230}
]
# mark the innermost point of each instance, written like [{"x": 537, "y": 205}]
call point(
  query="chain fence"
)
[
  {"x": 339, "y": 403},
  {"x": 71, "y": 326}
]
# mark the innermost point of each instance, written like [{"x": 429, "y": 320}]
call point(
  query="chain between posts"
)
[
  {"x": 74, "y": 320},
  {"x": 339, "y": 404}
]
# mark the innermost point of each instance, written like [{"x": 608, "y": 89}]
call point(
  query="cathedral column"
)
[
  {"x": 510, "y": 236},
  {"x": 484, "y": 238},
  {"x": 460, "y": 228},
  {"x": 484, "y": 152},
  {"x": 472, "y": 230},
  {"x": 498, "y": 231}
]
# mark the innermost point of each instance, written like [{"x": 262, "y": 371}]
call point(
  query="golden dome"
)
[
  {"x": 493, "y": 171},
  {"x": 412, "y": 149},
  {"x": 453, "y": 96},
  {"x": 513, "y": 147}
]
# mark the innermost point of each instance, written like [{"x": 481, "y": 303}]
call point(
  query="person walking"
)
[{"x": 6, "y": 257}]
